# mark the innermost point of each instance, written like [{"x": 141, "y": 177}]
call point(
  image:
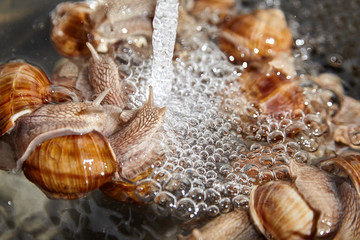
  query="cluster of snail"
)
[
  {"x": 69, "y": 145},
  {"x": 251, "y": 146}
]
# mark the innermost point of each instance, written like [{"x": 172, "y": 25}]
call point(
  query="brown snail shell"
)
[
  {"x": 24, "y": 88},
  {"x": 344, "y": 166},
  {"x": 273, "y": 91},
  {"x": 263, "y": 33},
  {"x": 204, "y": 8},
  {"x": 55, "y": 120},
  {"x": 69, "y": 167},
  {"x": 280, "y": 212},
  {"x": 72, "y": 26}
]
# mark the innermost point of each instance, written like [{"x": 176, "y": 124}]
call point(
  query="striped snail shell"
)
[{"x": 23, "y": 87}]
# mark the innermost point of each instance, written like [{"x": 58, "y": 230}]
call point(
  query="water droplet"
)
[
  {"x": 212, "y": 196},
  {"x": 212, "y": 211},
  {"x": 165, "y": 202},
  {"x": 225, "y": 205},
  {"x": 240, "y": 202},
  {"x": 196, "y": 194},
  {"x": 276, "y": 137},
  {"x": 185, "y": 208}
]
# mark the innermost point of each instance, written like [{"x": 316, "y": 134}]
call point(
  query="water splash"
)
[{"x": 163, "y": 41}]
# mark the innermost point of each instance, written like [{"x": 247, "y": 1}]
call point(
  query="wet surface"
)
[{"x": 25, "y": 213}]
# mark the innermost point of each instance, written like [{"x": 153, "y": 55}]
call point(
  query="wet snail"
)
[
  {"x": 98, "y": 22},
  {"x": 69, "y": 149},
  {"x": 231, "y": 153}
]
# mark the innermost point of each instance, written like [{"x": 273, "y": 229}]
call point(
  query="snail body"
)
[{"x": 134, "y": 146}]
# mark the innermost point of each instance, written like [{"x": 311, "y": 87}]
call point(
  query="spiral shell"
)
[
  {"x": 344, "y": 166},
  {"x": 71, "y": 30},
  {"x": 260, "y": 34},
  {"x": 69, "y": 167},
  {"x": 273, "y": 91},
  {"x": 280, "y": 212},
  {"x": 207, "y": 8},
  {"x": 24, "y": 88}
]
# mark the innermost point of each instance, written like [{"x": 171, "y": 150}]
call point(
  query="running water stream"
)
[{"x": 163, "y": 41}]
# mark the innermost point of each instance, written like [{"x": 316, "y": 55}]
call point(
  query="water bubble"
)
[
  {"x": 276, "y": 137},
  {"x": 210, "y": 166},
  {"x": 185, "y": 208},
  {"x": 281, "y": 159},
  {"x": 292, "y": 148},
  {"x": 147, "y": 189},
  {"x": 225, "y": 169},
  {"x": 255, "y": 147},
  {"x": 266, "y": 176},
  {"x": 279, "y": 148},
  {"x": 240, "y": 202},
  {"x": 211, "y": 174},
  {"x": 232, "y": 189},
  {"x": 282, "y": 172},
  {"x": 225, "y": 205},
  {"x": 354, "y": 135},
  {"x": 301, "y": 157},
  {"x": 297, "y": 114},
  {"x": 266, "y": 160},
  {"x": 178, "y": 185},
  {"x": 165, "y": 203},
  {"x": 293, "y": 129},
  {"x": 196, "y": 194},
  {"x": 251, "y": 170},
  {"x": 161, "y": 175},
  {"x": 211, "y": 196},
  {"x": 212, "y": 211}
]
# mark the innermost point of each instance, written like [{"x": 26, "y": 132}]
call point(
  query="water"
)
[{"x": 163, "y": 41}]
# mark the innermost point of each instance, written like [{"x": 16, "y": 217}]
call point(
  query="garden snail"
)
[
  {"x": 62, "y": 132},
  {"x": 25, "y": 87},
  {"x": 75, "y": 24},
  {"x": 63, "y": 147},
  {"x": 261, "y": 34}
]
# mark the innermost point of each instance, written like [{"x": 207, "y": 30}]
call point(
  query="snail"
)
[
  {"x": 72, "y": 26},
  {"x": 103, "y": 75},
  {"x": 261, "y": 34},
  {"x": 25, "y": 87},
  {"x": 211, "y": 10},
  {"x": 99, "y": 22},
  {"x": 273, "y": 91},
  {"x": 124, "y": 136}
]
